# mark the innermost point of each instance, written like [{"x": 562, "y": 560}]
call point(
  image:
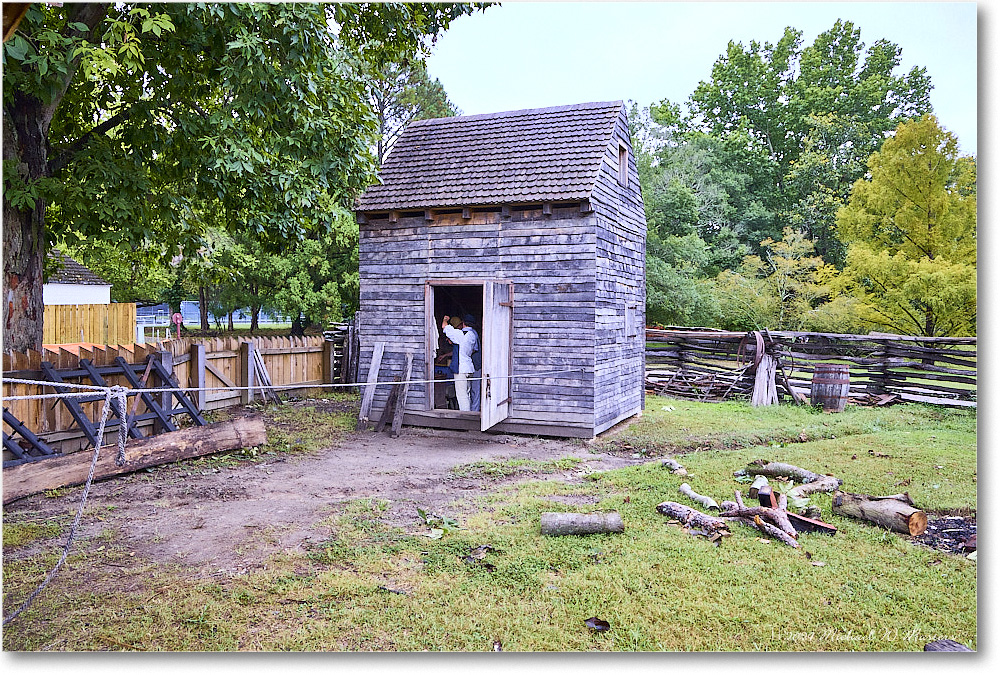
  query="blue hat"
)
[{"x": 468, "y": 319}]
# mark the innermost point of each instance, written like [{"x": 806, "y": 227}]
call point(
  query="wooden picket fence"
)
[
  {"x": 112, "y": 324},
  {"x": 221, "y": 365},
  {"x": 707, "y": 365}
]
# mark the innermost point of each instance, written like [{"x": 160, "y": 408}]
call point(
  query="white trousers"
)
[{"x": 462, "y": 391}]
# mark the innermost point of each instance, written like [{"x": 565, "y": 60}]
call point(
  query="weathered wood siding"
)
[
  {"x": 578, "y": 273},
  {"x": 551, "y": 260},
  {"x": 621, "y": 287}
]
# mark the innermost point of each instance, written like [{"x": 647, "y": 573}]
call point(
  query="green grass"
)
[
  {"x": 511, "y": 467},
  {"x": 371, "y": 586},
  {"x": 672, "y": 425},
  {"x": 19, "y": 534}
]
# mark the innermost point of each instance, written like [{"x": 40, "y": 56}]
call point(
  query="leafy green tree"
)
[
  {"x": 910, "y": 229},
  {"x": 128, "y": 119},
  {"x": 776, "y": 289},
  {"x": 136, "y": 273},
  {"x": 400, "y": 93},
  {"x": 815, "y": 113},
  {"x": 318, "y": 279}
]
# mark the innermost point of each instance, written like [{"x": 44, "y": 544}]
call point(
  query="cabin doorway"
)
[
  {"x": 488, "y": 304},
  {"x": 465, "y": 302}
]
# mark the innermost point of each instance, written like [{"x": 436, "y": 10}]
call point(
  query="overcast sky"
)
[{"x": 538, "y": 54}]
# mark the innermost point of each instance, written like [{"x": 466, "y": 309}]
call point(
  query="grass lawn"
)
[{"x": 374, "y": 587}]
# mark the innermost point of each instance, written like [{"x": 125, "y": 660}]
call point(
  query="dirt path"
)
[{"x": 230, "y": 520}]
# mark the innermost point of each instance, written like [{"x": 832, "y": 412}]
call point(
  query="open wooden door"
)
[{"x": 498, "y": 327}]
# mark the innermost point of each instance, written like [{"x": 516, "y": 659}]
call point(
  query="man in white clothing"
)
[
  {"x": 475, "y": 383},
  {"x": 468, "y": 342}
]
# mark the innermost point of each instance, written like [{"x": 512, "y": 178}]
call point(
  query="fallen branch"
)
[
  {"x": 894, "y": 514},
  {"x": 801, "y": 523},
  {"x": 766, "y": 528},
  {"x": 559, "y": 524},
  {"x": 811, "y": 482},
  {"x": 707, "y": 502},
  {"x": 691, "y": 517},
  {"x": 776, "y": 517}
]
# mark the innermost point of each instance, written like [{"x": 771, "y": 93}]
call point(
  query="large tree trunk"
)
[
  {"x": 25, "y": 142},
  {"x": 26, "y": 122},
  {"x": 254, "y": 318},
  {"x": 298, "y": 325}
]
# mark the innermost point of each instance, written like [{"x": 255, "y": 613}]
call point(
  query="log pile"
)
[{"x": 773, "y": 518}]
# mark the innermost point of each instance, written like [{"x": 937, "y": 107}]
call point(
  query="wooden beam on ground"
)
[
  {"x": 390, "y": 402},
  {"x": 397, "y": 420},
  {"x": 28, "y": 479},
  {"x": 369, "y": 395}
]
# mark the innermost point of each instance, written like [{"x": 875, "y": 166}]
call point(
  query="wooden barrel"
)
[{"x": 831, "y": 384}]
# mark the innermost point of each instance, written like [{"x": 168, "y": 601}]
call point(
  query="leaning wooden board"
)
[{"x": 34, "y": 477}]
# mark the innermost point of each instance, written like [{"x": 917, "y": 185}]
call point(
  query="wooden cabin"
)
[{"x": 531, "y": 221}]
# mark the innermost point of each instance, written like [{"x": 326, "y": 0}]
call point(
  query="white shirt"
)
[{"x": 468, "y": 341}]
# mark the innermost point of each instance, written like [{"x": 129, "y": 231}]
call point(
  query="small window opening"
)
[{"x": 623, "y": 164}]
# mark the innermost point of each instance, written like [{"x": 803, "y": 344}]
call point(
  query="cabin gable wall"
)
[{"x": 621, "y": 287}]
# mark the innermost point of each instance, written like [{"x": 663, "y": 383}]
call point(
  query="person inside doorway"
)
[
  {"x": 476, "y": 381},
  {"x": 468, "y": 343}
]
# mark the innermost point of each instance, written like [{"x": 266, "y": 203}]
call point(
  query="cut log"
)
[
  {"x": 776, "y": 469},
  {"x": 34, "y": 477},
  {"x": 811, "y": 482},
  {"x": 893, "y": 514},
  {"x": 904, "y": 497},
  {"x": 675, "y": 467},
  {"x": 691, "y": 517},
  {"x": 822, "y": 484},
  {"x": 707, "y": 502},
  {"x": 559, "y": 524}
]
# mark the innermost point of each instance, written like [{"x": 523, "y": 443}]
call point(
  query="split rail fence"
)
[
  {"x": 224, "y": 367},
  {"x": 716, "y": 365}
]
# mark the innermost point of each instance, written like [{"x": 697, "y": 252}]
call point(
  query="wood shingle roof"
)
[
  {"x": 543, "y": 154},
  {"x": 72, "y": 272}
]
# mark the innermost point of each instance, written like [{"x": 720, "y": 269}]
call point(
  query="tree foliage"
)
[
  {"x": 910, "y": 229},
  {"x": 400, "y": 93},
  {"x": 809, "y": 117},
  {"x": 764, "y": 157},
  {"x": 136, "y": 122}
]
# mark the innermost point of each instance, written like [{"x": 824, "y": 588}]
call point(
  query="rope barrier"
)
[
  {"x": 280, "y": 387},
  {"x": 83, "y": 502},
  {"x": 15, "y": 380},
  {"x": 121, "y": 394}
]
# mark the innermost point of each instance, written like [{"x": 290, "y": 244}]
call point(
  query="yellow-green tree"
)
[
  {"x": 774, "y": 290},
  {"x": 910, "y": 229}
]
